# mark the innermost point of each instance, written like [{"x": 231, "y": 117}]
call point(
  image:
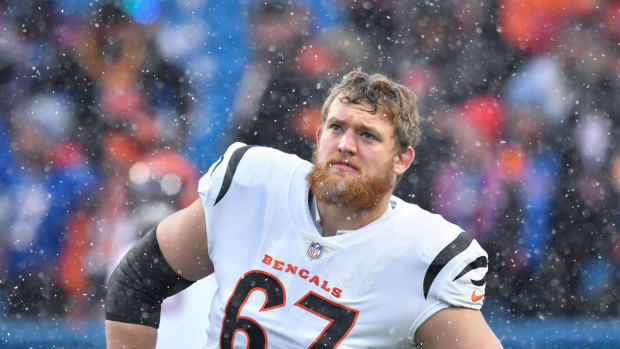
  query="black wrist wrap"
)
[{"x": 140, "y": 283}]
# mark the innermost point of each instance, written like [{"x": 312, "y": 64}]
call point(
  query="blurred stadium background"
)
[{"x": 111, "y": 110}]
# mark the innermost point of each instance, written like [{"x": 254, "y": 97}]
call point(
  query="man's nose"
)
[{"x": 347, "y": 143}]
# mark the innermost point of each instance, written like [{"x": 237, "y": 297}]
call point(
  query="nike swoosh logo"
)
[{"x": 475, "y": 297}]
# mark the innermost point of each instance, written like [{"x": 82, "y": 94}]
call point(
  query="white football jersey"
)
[{"x": 283, "y": 285}]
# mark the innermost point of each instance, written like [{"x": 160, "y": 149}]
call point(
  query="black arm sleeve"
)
[{"x": 140, "y": 283}]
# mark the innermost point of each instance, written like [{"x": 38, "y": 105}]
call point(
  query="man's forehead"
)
[
  {"x": 357, "y": 111},
  {"x": 338, "y": 108}
]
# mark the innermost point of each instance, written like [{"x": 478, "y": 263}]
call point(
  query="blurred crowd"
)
[{"x": 520, "y": 106}]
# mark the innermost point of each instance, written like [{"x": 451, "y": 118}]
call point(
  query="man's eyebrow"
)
[
  {"x": 339, "y": 119},
  {"x": 334, "y": 118},
  {"x": 370, "y": 129}
]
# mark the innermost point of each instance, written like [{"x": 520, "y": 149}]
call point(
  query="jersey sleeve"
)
[
  {"x": 456, "y": 276},
  {"x": 465, "y": 285}
]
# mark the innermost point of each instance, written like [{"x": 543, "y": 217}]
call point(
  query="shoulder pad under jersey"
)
[{"x": 245, "y": 165}]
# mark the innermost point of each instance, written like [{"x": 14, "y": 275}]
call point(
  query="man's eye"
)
[
  {"x": 335, "y": 127},
  {"x": 368, "y": 135}
]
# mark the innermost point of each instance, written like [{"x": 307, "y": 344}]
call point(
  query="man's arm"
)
[
  {"x": 182, "y": 239},
  {"x": 457, "y": 328}
]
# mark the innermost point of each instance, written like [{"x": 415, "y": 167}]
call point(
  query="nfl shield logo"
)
[{"x": 315, "y": 249}]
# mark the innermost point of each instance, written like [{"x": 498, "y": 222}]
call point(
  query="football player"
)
[{"x": 315, "y": 255}]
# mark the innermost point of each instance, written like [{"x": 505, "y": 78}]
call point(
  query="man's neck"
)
[{"x": 335, "y": 217}]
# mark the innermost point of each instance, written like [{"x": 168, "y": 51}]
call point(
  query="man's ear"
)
[
  {"x": 403, "y": 161},
  {"x": 319, "y": 131}
]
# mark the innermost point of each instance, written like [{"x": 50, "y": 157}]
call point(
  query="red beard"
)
[{"x": 356, "y": 191}]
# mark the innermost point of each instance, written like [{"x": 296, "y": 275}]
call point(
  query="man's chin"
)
[{"x": 345, "y": 188}]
